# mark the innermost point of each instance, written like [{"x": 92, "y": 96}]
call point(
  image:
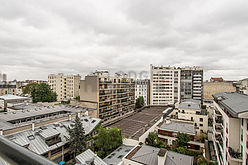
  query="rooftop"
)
[
  {"x": 176, "y": 126},
  {"x": 235, "y": 103},
  {"x": 12, "y": 97},
  {"x": 88, "y": 157},
  {"x": 133, "y": 126},
  {"x": 35, "y": 140},
  {"x": 116, "y": 157},
  {"x": 32, "y": 113},
  {"x": 149, "y": 155},
  {"x": 190, "y": 104}
]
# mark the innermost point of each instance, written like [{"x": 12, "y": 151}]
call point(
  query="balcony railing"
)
[{"x": 234, "y": 154}]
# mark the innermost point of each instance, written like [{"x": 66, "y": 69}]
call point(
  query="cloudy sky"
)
[{"x": 38, "y": 37}]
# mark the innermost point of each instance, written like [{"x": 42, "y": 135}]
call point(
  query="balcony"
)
[
  {"x": 51, "y": 142},
  {"x": 235, "y": 156}
]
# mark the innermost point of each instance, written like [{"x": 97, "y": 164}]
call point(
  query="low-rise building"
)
[
  {"x": 142, "y": 88},
  {"x": 154, "y": 156},
  {"x": 52, "y": 141},
  {"x": 88, "y": 157},
  {"x": 168, "y": 130},
  {"x": 230, "y": 125},
  {"x": 7, "y": 89},
  {"x": 190, "y": 110}
]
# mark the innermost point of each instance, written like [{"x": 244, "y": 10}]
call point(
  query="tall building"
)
[
  {"x": 142, "y": 88},
  {"x": 114, "y": 95},
  {"x": 164, "y": 85},
  {"x": 192, "y": 83},
  {"x": 230, "y": 128},
  {"x": 3, "y": 77},
  {"x": 66, "y": 86},
  {"x": 169, "y": 85}
]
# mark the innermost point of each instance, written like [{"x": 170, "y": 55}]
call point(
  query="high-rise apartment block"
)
[
  {"x": 165, "y": 85},
  {"x": 192, "y": 83},
  {"x": 142, "y": 88},
  {"x": 66, "y": 86},
  {"x": 114, "y": 95},
  {"x": 3, "y": 77},
  {"x": 230, "y": 128},
  {"x": 169, "y": 84}
]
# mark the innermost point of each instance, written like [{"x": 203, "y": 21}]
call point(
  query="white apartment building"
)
[
  {"x": 164, "y": 85},
  {"x": 190, "y": 110},
  {"x": 142, "y": 89},
  {"x": 230, "y": 128},
  {"x": 169, "y": 85},
  {"x": 66, "y": 86}
]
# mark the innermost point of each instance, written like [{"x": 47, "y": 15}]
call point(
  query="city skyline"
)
[{"x": 84, "y": 36}]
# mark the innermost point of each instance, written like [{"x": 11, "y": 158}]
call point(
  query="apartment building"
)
[
  {"x": 164, "y": 85},
  {"x": 145, "y": 154},
  {"x": 142, "y": 88},
  {"x": 3, "y": 77},
  {"x": 230, "y": 128},
  {"x": 7, "y": 89},
  {"x": 190, "y": 110},
  {"x": 242, "y": 86},
  {"x": 169, "y": 85},
  {"x": 191, "y": 83},
  {"x": 113, "y": 95},
  {"x": 65, "y": 86}
]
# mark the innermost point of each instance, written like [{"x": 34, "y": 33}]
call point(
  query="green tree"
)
[
  {"x": 139, "y": 102},
  {"x": 153, "y": 140},
  {"x": 77, "y": 137},
  {"x": 29, "y": 88},
  {"x": 107, "y": 141},
  {"x": 77, "y": 98},
  {"x": 182, "y": 139},
  {"x": 43, "y": 93}
]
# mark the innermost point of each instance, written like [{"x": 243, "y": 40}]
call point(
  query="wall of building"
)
[{"x": 210, "y": 88}]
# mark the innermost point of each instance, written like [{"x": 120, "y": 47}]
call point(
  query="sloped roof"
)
[
  {"x": 175, "y": 126},
  {"x": 87, "y": 157}
]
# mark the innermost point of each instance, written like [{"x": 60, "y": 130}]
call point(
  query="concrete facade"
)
[
  {"x": 114, "y": 95},
  {"x": 65, "y": 86},
  {"x": 142, "y": 88}
]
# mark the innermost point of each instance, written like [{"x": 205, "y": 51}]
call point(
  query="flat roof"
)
[
  {"x": 176, "y": 126},
  {"x": 133, "y": 126},
  {"x": 235, "y": 103},
  {"x": 116, "y": 156},
  {"x": 13, "y": 97},
  {"x": 149, "y": 155},
  {"x": 190, "y": 104}
]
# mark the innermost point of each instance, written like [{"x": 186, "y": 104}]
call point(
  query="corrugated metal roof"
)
[
  {"x": 173, "y": 158},
  {"x": 87, "y": 157},
  {"x": 37, "y": 143},
  {"x": 146, "y": 155}
]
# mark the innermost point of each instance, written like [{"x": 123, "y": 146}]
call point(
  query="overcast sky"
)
[{"x": 38, "y": 37}]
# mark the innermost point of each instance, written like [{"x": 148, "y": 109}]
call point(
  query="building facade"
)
[
  {"x": 210, "y": 88},
  {"x": 164, "y": 85},
  {"x": 169, "y": 85},
  {"x": 192, "y": 83},
  {"x": 230, "y": 128},
  {"x": 65, "y": 86},
  {"x": 142, "y": 88},
  {"x": 6, "y": 89},
  {"x": 113, "y": 95},
  {"x": 3, "y": 77}
]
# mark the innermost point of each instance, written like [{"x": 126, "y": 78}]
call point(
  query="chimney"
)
[
  {"x": 162, "y": 156},
  {"x": 32, "y": 126}
]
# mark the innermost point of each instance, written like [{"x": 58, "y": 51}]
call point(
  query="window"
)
[
  {"x": 201, "y": 125},
  {"x": 242, "y": 122},
  {"x": 201, "y": 119}
]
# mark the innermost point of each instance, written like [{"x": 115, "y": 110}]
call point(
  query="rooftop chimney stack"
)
[{"x": 162, "y": 156}]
